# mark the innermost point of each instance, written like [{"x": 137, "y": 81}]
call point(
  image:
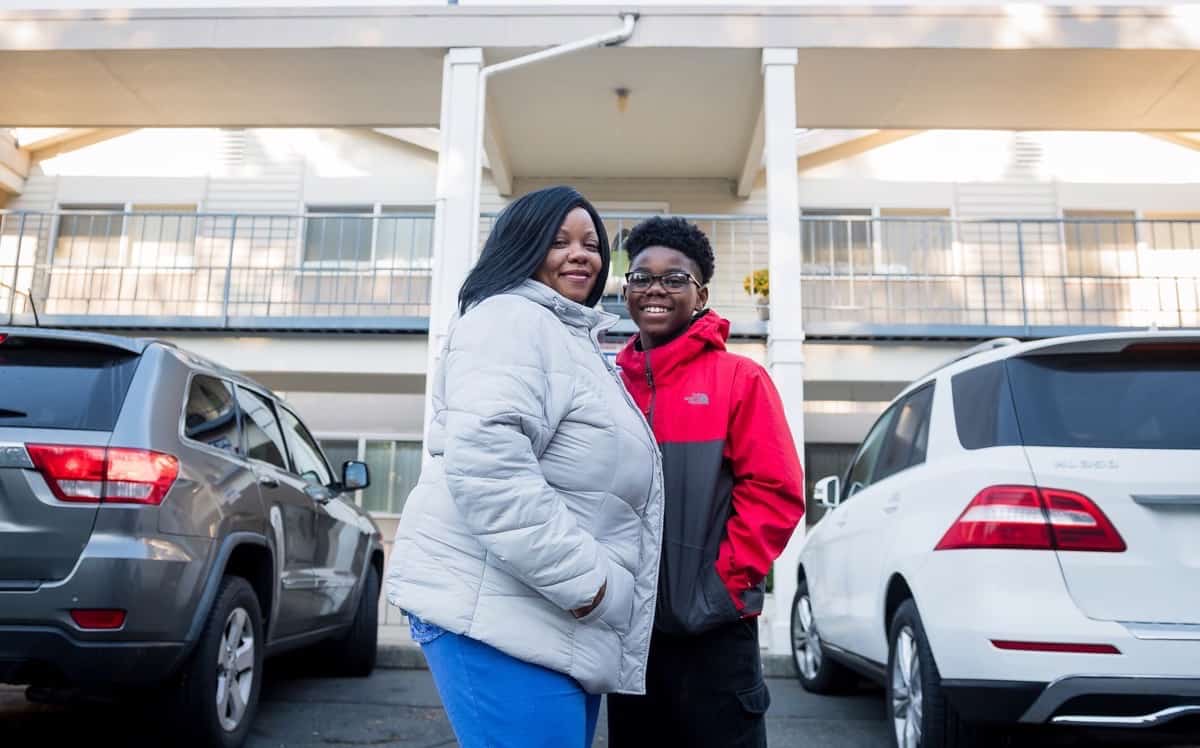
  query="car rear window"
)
[
  {"x": 1130, "y": 400},
  {"x": 58, "y": 385}
]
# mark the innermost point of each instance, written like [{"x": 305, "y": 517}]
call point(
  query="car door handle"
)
[
  {"x": 269, "y": 481},
  {"x": 893, "y": 503}
]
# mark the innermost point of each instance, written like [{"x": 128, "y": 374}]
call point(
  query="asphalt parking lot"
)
[{"x": 400, "y": 708}]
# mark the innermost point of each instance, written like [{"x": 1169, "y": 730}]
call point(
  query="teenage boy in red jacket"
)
[{"x": 734, "y": 494}]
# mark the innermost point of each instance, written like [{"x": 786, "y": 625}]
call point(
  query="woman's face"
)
[
  {"x": 663, "y": 309},
  {"x": 572, "y": 266}
]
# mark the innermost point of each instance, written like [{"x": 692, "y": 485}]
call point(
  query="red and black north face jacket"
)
[{"x": 734, "y": 485}]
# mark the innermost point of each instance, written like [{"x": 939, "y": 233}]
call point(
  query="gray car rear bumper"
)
[{"x": 50, "y": 656}]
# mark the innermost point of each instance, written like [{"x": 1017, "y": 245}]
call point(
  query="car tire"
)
[
  {"x": 921, "y": 716},
  {"x": 217, "y": 695},
  {"x": 816, "y": 671},
  {"x": 354, "y": 653}
]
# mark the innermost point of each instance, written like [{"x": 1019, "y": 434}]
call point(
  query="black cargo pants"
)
[{"x": 702, "y": 691}]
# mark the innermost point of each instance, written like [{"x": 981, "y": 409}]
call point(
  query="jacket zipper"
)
[{"x": 650, "y": 384}]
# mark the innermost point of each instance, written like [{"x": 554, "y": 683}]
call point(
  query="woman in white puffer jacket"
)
[{"x": 527, "y": 555}]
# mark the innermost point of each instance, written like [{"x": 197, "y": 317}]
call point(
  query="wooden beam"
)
[
  {"x": 73, "y": 140},
  {"x": 497, "y": 154},
  {"x": 852, "y": 147},
  {"x": 1187, "y": 140},
  {"x": 753, "y": 164},
  {"x": 14, "y": 165},
  {"x": 422, "y": 137},
  {"x": 494, "y": 152}
]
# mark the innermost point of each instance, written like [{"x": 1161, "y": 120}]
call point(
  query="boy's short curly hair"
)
[{"x": 673, "y": 233}]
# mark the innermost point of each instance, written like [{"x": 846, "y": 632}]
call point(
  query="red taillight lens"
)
[
  {"x": 1078, "y": 524},
  {"x": 1001, "y": 517},
  {"x": 98, "y": 619},
  {"x": 115, "y": 475},
  {"x": 3, "y": 337},
  {"x": 139, "y": 476},
  {"x": 1029, "y": 518},
  {"x": 73, "y": 473}
]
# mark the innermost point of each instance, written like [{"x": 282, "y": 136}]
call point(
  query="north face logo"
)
[{"x": 697, "y": 398}]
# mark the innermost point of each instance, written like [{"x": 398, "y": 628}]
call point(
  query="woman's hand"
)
[{"x": 581, "y": 612}]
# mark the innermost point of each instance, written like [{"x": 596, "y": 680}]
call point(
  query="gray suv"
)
[{"x": 166, "y": 522}]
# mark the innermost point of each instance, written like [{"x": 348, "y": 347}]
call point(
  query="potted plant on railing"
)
[{"x": 758, "y": 285}]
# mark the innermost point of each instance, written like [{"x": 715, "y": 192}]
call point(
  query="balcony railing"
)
[
  {"x": 1024, "y": 277},
  {"x": 205, "y": 270},
  {"x": 860, "y": 276}
]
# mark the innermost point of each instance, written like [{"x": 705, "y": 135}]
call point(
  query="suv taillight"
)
[
  {"x": 113, "y": 475},
  {"x": 1030, "y": 518}
]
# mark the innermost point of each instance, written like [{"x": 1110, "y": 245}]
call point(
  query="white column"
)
[
  {"x": 785, "y": 332},
  {"x": 456, "y": 217}
]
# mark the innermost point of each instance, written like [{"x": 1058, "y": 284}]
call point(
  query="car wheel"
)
[
  {"x": 354, "y": 653},
  {"x": 817, "y": 672},
  {"x": 219, "y": 686},
  {"x": 921, "y": 717}
]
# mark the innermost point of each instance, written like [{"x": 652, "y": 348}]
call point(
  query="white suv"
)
[{"x": 1018, "y": 540}]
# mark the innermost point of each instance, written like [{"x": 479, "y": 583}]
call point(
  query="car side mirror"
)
[
  {"x": 828, "y": 492},
  {"x": 355, "y": 475}
]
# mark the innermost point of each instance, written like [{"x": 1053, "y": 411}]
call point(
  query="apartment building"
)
[{"x": 290, "y": 188}]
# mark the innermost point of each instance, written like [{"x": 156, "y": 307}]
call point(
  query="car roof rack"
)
[{"x": 984, "y": 347}]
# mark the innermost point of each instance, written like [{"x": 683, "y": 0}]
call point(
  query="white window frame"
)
[
  {"x": 1100, "y": 214},
  {"x": 372, "y": 265},
  {"x": 124, "y": 249},
  {"x": 885, "y": 212},
  {"x": 362, "y": 439}
]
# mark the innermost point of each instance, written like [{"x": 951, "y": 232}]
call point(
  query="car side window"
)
[
  {"x": 908, "y": 435},
  {"x": 310, "y": 463},
  {"x": 210, "y": 414},
  {"x": 863, "y": 467},
  {"x": 264, "y": 441}
]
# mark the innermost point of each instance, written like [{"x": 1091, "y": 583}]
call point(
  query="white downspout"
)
[{"x": 606, "y": 39}]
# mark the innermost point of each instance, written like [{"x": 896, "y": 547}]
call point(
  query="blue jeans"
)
[{"x": 497, "y": 701}]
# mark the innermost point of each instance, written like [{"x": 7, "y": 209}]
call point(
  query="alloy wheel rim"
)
[
  {"x": 235, "y": 669},
  {"x": 806, "y": 642},
  {"x": 907, "y": 697}
]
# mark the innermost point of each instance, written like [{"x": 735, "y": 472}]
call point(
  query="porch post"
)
[
  {"x": 456, "y": 219},
  {"x": 785, "y": 331}
]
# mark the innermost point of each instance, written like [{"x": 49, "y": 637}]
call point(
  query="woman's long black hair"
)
[{"x": 519, "y": 241}]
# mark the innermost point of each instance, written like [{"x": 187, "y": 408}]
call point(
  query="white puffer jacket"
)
[{"x": 545, "y": 482}]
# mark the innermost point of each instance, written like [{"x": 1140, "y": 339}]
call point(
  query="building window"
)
[
  {"x": 388, "y": 236},
  {"x": 162, "y": 236},
  {"x": 1101, "y": 242},
  {"x": 121, "y": 235},
  {"x": 836, "y": 240},
  {"x": 1173, "y": 244},
  {"x": 89, "y": 235},
  {"x": 915, "y": 240},
  {"x": 405, "y": 238},
  {"x": 338, "y": 234},
  {"x": 395, "y": 466}
]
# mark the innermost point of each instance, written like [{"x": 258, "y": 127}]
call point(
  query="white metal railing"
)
[
  {"x": 215, "y": 269},
  {"x": 860, "y": 275}
]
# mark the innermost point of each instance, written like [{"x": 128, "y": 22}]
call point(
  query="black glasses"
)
[{"x": 675, "y": 281}]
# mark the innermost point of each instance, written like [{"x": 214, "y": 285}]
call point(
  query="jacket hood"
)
[
  {"x": 708, "y": 333},
  {"x": 570, "y": 312}
]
